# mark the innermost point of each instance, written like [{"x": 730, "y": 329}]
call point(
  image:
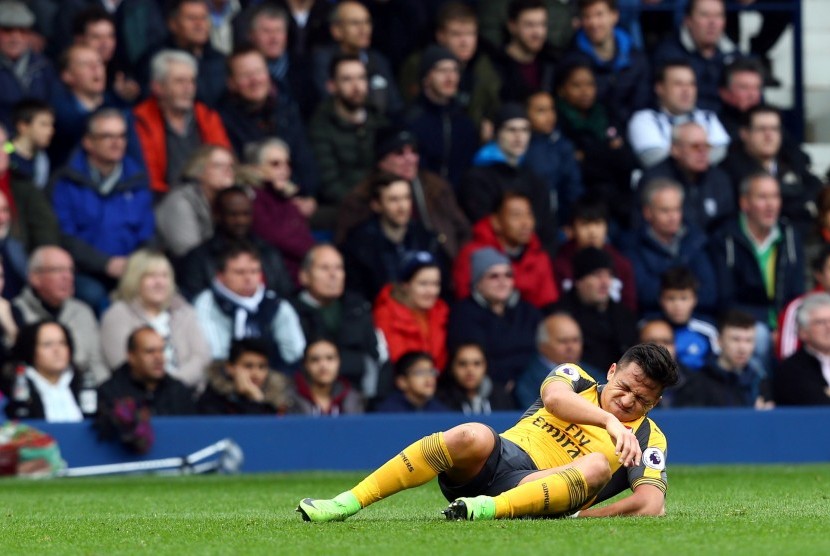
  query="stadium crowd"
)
[{"x": 320, "y": 207}]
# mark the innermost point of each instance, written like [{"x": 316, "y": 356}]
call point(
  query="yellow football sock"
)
[
  {"x": 418, "y": 463},
  {"x": 551, "y": 495}
]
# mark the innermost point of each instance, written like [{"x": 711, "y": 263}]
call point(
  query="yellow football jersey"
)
[{"x": 551, "y": 442}]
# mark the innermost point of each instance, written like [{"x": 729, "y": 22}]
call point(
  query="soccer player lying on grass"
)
[{"x": 578, "y": 445}]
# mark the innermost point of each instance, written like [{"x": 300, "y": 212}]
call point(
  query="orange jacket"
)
[
  {"x": 149, "y": 125},
  {"x": 534, "y": 278},
  {"x": 398, "y": 324}
]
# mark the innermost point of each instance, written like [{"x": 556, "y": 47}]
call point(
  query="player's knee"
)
[
  {"x": 469, "y": 440},
  {"x": 596, "y": 470}
]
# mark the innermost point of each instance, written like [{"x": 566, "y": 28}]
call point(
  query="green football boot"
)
[
  {"x": 336, "y": 509},
  {"x": 480, "y": 508}
]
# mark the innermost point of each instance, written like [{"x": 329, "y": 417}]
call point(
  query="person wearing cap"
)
[
  {"x": 456, "y": 29},
  {"x": 23, "y": 72},
  {"x": 448, "y": 137},
  {"x": 509, "y": 230},
  {"x": 342, "y": 136},
  {"x": 410, "y": 312},
  {"x": 497, "y": 167},
  {"x": 435, "y": 204},
  {"x": 495, "y": 316},
  {"x": 373, "y": 251},
  {"x": 608, "y": 327}
]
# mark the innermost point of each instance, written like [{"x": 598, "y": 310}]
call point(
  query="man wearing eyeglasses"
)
[
  {"x": 580, "y": 444},
  {"x": 104, "y": 207}
]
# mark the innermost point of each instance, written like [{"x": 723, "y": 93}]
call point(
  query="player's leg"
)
[
  {"x": 546, "y": 492},
  {"x": 460, "y": 452}
]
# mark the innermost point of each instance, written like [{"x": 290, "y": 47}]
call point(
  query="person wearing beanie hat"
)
[
  {"x": 24, "y": 73},
  {"x": 410, "y": 313},
  {"x": 497, "y": 169},
  {"x": 394, "y": 139},
  {"x": 447, "y": 136},
  {"x": 608, "y": 327},
  {"x": 495, "y": 317}
]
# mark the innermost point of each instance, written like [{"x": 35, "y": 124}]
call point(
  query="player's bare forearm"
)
[
  {"x": 647, "y": 500},
  {"x": 562, "y": 402}
]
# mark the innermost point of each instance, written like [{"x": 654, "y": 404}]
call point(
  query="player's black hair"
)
[
  {"x": 247, "y": 345},
  {"x": 408, "y": 359},
  {"x": 655, "y": 361},
  {"x": 678, "y": 278},
  {"x": 736, "y": 319}
]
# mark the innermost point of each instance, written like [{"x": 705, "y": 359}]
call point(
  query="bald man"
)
[{"x": 558, "y": 340}]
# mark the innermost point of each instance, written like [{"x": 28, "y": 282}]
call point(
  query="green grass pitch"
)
[{"x": 730, "y": 510}]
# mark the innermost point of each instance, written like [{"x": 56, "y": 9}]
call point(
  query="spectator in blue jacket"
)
[
  {"x": 552, "y": 156},
  {"x": 664, "y": 241},
  {"x": 447, "y": 137},
  {"x": 23, "y": 72},
  {"x": 104, "y": 206},
  {"x": 416, "y": 379},
  {"x": 621, "y": 70}
]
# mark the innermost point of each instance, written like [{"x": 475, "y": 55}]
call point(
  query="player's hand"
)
[{"x": 627, "y": 447}]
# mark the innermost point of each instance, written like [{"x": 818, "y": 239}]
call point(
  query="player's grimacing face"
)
[{"x": 629, "y": 393}]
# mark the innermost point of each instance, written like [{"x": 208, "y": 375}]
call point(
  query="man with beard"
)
[{"x": 342, "y": 135}]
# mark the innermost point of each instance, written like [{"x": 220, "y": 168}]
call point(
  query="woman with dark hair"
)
[
  {"x": 466, "y": 387},
  {"x": 320, "y": 388},
  {"x": 51, "y": 389}
]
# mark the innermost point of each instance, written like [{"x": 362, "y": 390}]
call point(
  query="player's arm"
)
[
  {"x": 561, "y": 401},
  {"x": 646, "y": 500}
]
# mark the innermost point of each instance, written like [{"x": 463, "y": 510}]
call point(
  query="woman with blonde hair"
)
[
  {"x": 146, "y": 295},
  {"x": 184, "y": 218}
]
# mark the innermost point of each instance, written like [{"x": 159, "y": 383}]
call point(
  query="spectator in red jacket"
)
[
  {"x": 171, "y": 123},
  {"x": 509, "y": 230},
  {"x": 410, "y": 313}
]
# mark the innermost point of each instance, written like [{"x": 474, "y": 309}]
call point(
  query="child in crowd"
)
[
  {"x": 320, "y": 388},
  {"x": 465, "y": 386},
  {"x": 244, "y": 385},
  {"x": 589, "y": 228},
  {"x": 551, "y": 156},
  {"x": 34, "y": 125},
  {"x": 416, "y": 381},
  {"x": 732, "y": 378},
  {"x": 695, "y": 339}
]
